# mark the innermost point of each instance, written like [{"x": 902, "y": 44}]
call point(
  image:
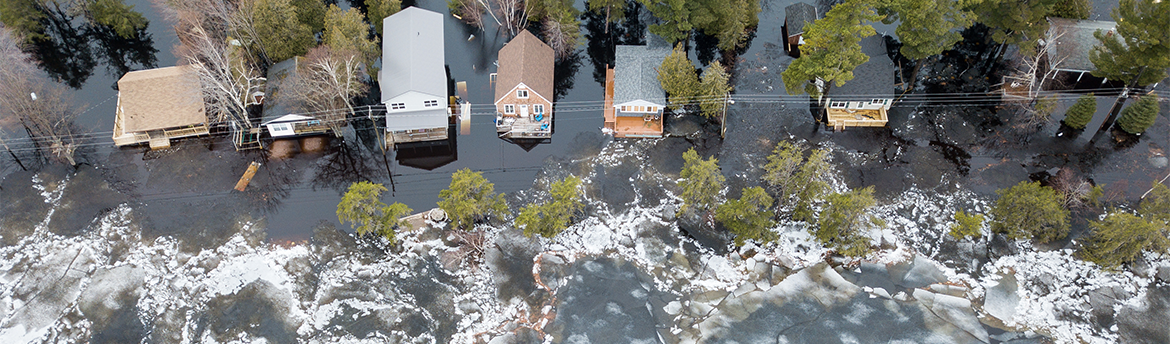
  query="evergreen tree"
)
[
  {"x": 729, "y": 21},
  {"x": 673, "y": 19},
  {"x": 748, "y": 217},
  {"x": 348, "y": 31},
  {"x": 1028, "y": 210},
  {"x": 311, "y": 13},
  {"x": 614, "y": 10},
  {"x": 1079, "y": 115},
  {"x": 1146, "y": 49},
  {"x": 928, "y": 27},
  {"x": 470, "y": 198},
  {"x": 1121, "y": 237},
  {"x": 362, "y": 207},
  {"x": 714, "y": 90},
  {"x": 24, "y": 17},
  {"x": 551, "y": 218},
  {"x": 798, "y": 182},
  {"x": 1156, "y": 206},
  {"x": 281, "y": 35},
  {"x": 1018, "y": 22},
  {"x": 832, "y": 48},
  {"x": 844, "y": 220},
  {"x": 678, "y": 79},
  {"x": 1072, "y": 9},
  {"x": 1138, "y": 117},
  {"x": 379, "y": 10},
  {"x": 966, "y": 226},
  {"x": 701, "y": 182},
  {"x": 119, "y": 16}
]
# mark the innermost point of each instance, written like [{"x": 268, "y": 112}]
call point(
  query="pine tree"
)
[
  {"x": 379, "y": 10},
  {"x": 832, "y": 48},
  {"x": 118, "y": 16},
  {"x": 1028, "y": 210},
  {"x": 1121, "y": 237},
  {"x": 549, "y": 219},
  {"x": 729, "y": 21},
  {"x": 1146, "y": 46},
  {"x": 1072, "y": 9},
  {"x": 362, "y": 207},
  {"x": 748, "y": 217},
  {"x": 928, "y": 27},
  {"x": 1156, "y": 206},
  {"x": 674, "y": 23},
  {"x": 280, "y": 33},
  {"x": 701, "y": 182},
  {"x": 966, "y": 226},
  {"x": 844, "y": 219},
  {"x": 1079, "y": 115},
  {"x": 614, "y": 10},
  {"x": 470, "y": 198},
  {"x": 1019, "y": 22},
  {"x": 1138, "y": 117},
  {"x": 798, "y": 182},
  {"x": 678, "y": 79},
  {"x": 311, "y": 13},
  {"x": 714, "y": 90},
  {"x": 348, "y": 31}
]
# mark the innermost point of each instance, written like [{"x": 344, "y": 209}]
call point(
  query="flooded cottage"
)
[
  {"x": 865, "y": 100},
  {"x": 278, "y": 117},
  {"x": 524, "y": 89},
  {"x": 413, "y": 77},
  {"x": 796, "y": 17},
  {"x": 634, "y": 99},
  {"x": 1069, "y": 44},
  {"x": 157, "y": 105}
]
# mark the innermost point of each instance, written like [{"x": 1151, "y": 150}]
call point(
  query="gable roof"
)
[
  {"x": 412, "y": 54},
  {"x": 526, "y": 60},
  {"x": 636, "y": 74},
  {"x": 1072, "y": 40},
  {"x": 874, "y": 78},
  {"x": 797, "y": 15},
  {"x": 159, "y": 98}
]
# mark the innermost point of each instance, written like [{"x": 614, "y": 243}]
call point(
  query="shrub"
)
[
  {"x": 1079, "y": 115},
  {"x": 549, "y": 219},
  {"x": 966, "y": 226},
  {"x": 844, "y": 219},
  {"x": 748, "y": 217},
  {"x": 470, "y": 198},
  {"x": 701, "y": 182},
  {"x": 1136, "y": 118},
  {"x": 1028, "y": 210},
  {"x": 362, "y": 207}
]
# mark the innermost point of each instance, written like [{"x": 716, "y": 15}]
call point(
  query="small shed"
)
[
  {"x": 865, "y": 100},
  {"x": 278, "y": 117},
  {"x": 636, "y": 98},
  {"x": 157, "y": 105},
  {"x": 796, "y": 17},
  {"x": 413, "y": 77},
  {"x": 1069, "y": 42},
  {"x": 524, "y": 89}
]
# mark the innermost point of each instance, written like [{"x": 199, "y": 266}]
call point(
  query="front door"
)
[{"x": 524, "y": 111}]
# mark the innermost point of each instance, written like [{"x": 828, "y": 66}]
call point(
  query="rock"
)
[
  {"x": 922, "y": 273},
  {"x": 952, "y": 316},
  {"x": 1163, "y": 273},
  {"x": 668, "y": 212},
  {"x": 1002, "y": 299}
]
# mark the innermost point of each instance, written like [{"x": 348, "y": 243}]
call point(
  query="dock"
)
[
  {"x": 247, "y": 177},
  {"x": 610, "y": 118}
]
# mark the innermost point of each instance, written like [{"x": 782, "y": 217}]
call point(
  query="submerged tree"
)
[
  {"x": 844, "y": 221},
  {"x": 39, "y": 105},
  {"x": 362, "y": 207},
  {"x": 1079, "y": 115},
  {"x": 1019, "y": 22},
  {"x": 713, "y": 90},
  {"x": 549, "y": 219},
  {"x": 1145, "y": 50},
  {"x": 378, "y": 10},
  {"x": 327, "y": 83},
  {"x": 674, "y": 23},
  {"x": 928, "y": 27},
  {"x": 1138, "y": 117},
  {"x": 798, "y": 182},
  {"x": 678, "y": 79},
  {"x": 1121, "y": 238},
  {"x": 614, "y": 10},
  {"x": 1028, "y": 210},
  {"x": 832, "y": 48},
  {"x": 470, "y": 198},
  {"x": 281, "y": 34},
  {"x": 701, "y": 182},
  {"x": 562, "y": 30},
  {"x": 729, "y": 21},
  {"x": 748, "y": 217}
]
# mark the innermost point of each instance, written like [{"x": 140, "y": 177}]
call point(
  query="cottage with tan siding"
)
[
  {"x": 524, "y": 89},
  {"x": 157, "y": 105}
]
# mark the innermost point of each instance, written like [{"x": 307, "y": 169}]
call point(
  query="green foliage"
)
[
  {"x": 1156, "y": 206},
  {"x": 1018, "y": 22},
  {"x": 1043, "y": 108},
  {"x": 1079, "y": 115},
  {"x": 1138, "y": 117},
  {"x": 832, "y": 48},
  {"x": 1121, "y": 237},
  {"x": 1028, "y": 210},
  {"x": 1072, "y": 9},
  {"x": 1142, "y": 24},
  {"x": 562, "y": 30},
  {"x": 714, "y": 90},
  {"x": 798, "y": 182},
  {"x": 729, "y": 21},
  {"x": 362, "y": 207},
  {"x": 380, "y": 9},
  {"x": 119, "y": 16},
  {"x": 928, "y": 27},
  {"x": 311, "y": 13},
  {"x": 538, "y": 10},
  {"x": 966, "y": 226},
  {"x": 24, "y": 18},
  {"x": 550, "y": 219},
  {"x": 470, "y": 198},
  {"x": 845, "y": 217},
  {"x": 748, "y": 217},
  {"x": 281, "y": 35},
  {"x": 678, "y": 79},
  {"x": 614, "y": 10},
  {"x": 701, "y": 182},
  {"x": 348, "y": 31},
  {"x": 674, "y": 22}
]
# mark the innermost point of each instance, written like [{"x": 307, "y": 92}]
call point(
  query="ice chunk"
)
[{"x": 1001, "y": 299}]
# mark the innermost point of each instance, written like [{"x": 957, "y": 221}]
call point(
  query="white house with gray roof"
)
[
  {"x": 1069, "y": 42},
  {"x": 413, "y": 79},
  {"x": 637, "y": 96}
]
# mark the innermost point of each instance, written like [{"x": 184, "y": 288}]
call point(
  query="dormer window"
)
[
  {"x": 522, "y": 94},
  {"x": 397, "y": 106},
  {"x": 431, "y": 103},
  {"x": 509, "y": 109}
]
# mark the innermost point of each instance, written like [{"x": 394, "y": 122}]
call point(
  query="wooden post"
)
[{"x": 247, "y": 177}]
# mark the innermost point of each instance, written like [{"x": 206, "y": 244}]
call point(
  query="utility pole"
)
[{"x": 1116, "y": 108}]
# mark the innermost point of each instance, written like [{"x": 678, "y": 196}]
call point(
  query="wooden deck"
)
[
  {"x": 627, "y": 126},
  {"x": 610, "y": 119},
  {"x": 840, "y": 119}
]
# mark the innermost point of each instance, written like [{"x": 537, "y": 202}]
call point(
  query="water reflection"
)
[
  {"x": 344, "y": 164},
  {"x": 428, "y": 155},
  {"x": 602, "y": 37},
  {"x": 74, "y": 46}
]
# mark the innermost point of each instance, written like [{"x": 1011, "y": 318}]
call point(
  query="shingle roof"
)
[
  {"x": 160, "y": 98},
  {"x": 1072, "y": 40},
  {"x": 526, "y": 60},
  {"x": 276, "y": 103},
  {"x": 872, "y": 78},
  {"x": 636, "y": 74},
  {"x": 412, "y": 54},
  {"x": 797, "y": 15}
]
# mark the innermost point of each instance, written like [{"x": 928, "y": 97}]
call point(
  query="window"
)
[
  {"x": 431, "y": 103},
  {"x": 397, "y": 106},
  {"x": 837, "y": 105},
  {"x": 876, "y": 101},
  {"x": 538, "y": 108},
  {"x": 280, "y": 127},
  {"x": 624, "y": 108},
  {"x": 522, "y": 94},
  {"x": 509, "y": 109}
]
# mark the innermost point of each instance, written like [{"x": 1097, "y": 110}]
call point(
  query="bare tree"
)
[
  {"x": 327, "y": 84},
  {"x": 510, "y": 14},
  {"x": 41, "y": 106},
  {"x": 562, "y": 31},
  {"x": 227, "y": 79}
]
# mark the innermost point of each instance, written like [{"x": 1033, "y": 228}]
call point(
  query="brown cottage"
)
[
  {"x": 524, "y": 89},
  {"x": 157, "y": 105}
]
